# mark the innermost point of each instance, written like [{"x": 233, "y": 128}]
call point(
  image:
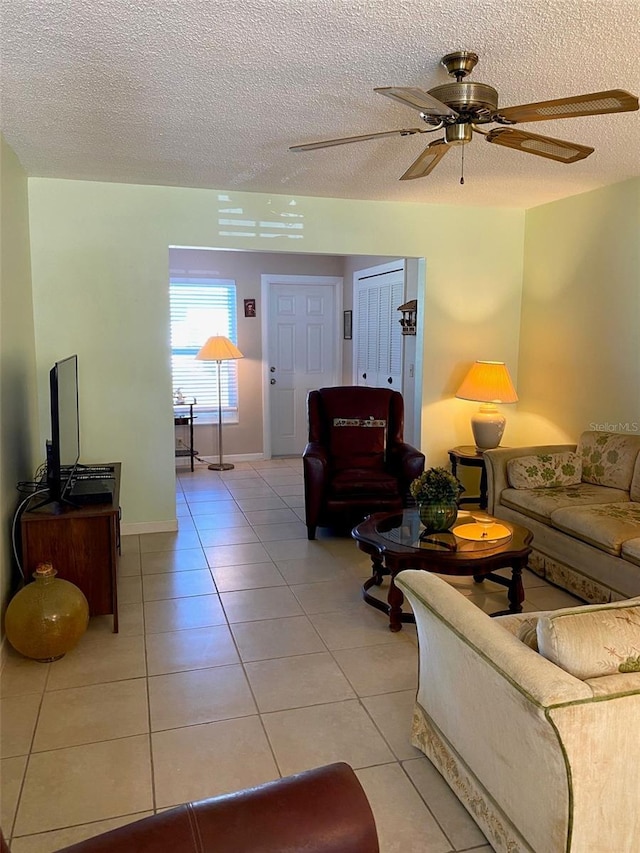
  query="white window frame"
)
[{"x": 204, "y": 379}]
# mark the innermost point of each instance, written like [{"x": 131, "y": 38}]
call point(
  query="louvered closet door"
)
[{"x": 378, "y": 335}]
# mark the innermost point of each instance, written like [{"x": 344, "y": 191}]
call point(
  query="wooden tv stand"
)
[{"x": 82, "y": 543}]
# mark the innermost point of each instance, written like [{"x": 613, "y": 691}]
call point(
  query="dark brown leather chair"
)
[
  {"x": 320, "y": 811},
  {"x": 356, "y": 462}
]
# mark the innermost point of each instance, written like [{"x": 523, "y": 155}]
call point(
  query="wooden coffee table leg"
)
[
  {"x": 516, "y": 589},
  {"x": 395, "y": 600},
  {"x": 377, "y": 569}
]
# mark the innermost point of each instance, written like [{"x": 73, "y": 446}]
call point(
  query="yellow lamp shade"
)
[
  {"x": 218, "y": 348},
  {"x": 488, "y": 382}
]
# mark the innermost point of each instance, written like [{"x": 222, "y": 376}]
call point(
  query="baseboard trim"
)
[{"x": 136, "y": 528}]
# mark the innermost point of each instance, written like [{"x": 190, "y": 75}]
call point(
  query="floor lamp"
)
[{"x": 219, "y": 349}]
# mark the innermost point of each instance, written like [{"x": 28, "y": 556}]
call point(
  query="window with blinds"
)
[{"x": 200, "y": 308}]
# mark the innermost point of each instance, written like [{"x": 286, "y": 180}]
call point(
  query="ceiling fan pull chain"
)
[{"x": 462, "y": 168}]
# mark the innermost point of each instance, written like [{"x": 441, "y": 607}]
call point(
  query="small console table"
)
[
  {"x": 183, "y": 416},
  {"x": 468, "y": 456},
  {"x": 82, "y": 543}
]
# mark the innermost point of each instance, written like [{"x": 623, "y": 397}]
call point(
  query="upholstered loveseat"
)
[
  {"x": 541, "y": 747},
  {"x": 582, "y": 503}
]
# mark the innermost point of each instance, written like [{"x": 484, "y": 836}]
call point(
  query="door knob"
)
[
  {"x": 364, "y": 375},
  {"x": 272, "y": 381},
  {"x": 272, "y": 370},
  {"x": 390, "y": 380}
]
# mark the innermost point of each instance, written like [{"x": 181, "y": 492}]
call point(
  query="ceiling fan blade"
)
[
  {"x": 327, "y": 143},
  {"x": 417, "y": 99},
  {"x": 597, "y": 103},
  {"x": 543, "y": 146},
  {"x": 427, "y": 161}
]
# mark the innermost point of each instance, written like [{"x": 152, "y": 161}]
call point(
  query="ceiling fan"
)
[{"x": 462, "y": 107}]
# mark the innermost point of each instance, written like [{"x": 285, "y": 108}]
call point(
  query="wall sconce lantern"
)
[{"x": 409, "y": 316}]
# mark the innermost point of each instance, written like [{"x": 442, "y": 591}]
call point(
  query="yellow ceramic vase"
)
[{"x": 46, "y": 618}]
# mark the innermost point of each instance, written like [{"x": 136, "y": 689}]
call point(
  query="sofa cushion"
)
[
  {"x": 528, "y": 633},
  {"x": 540, "y": 503},
  {"x": 608, "y": 458},
  {"x": 522, "y": 625},
  {"x": 544, "y": 470},
  {"x": 363, "y": 482},
  {"x": 606, "y": 526},
  {"x": 631, "y": 551},
  {"x": 589, "y": 642}
]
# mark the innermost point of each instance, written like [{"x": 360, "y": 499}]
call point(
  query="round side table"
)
[{"x": 468, "y": 456}]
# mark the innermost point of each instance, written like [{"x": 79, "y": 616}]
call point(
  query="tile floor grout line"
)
[
  {"x": 433, "y": 815},
  {"x": 148, "y": 695}
]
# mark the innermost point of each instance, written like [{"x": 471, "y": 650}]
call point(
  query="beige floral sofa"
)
[
  {"x": 582, "y": 503},
  {"x": 541, "y": 747}
]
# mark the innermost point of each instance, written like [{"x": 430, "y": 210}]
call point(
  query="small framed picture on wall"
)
[
  {"x": 347, "y": 328},
  {"x": 249, "y": 307}
]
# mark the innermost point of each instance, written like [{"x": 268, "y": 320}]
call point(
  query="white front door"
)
[{"x": 302, "y": 350}]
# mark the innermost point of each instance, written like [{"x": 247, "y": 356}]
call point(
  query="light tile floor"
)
[{"x": 245, "y": 653}]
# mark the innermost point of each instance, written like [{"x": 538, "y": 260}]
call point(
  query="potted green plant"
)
[{"x": 436, "y": 492}]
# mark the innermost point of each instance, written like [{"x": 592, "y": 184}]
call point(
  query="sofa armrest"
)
[
  {"x": 435, "y": 601},
  {"x": 408, "y": 461},
  {"x": 486, "y": 697},
  {"x": 496, "y": 466},
  {"x": 319, "y": 811},
  {"x": 315, "y": 465},
  {"x": 315, "y": 457}
]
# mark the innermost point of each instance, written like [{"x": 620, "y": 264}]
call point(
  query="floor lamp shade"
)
[
  {"x": 488, "y": 382},
  {"x": 219, "y": 349}
]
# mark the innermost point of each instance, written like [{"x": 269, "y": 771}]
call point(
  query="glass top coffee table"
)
[{"x": 397, "y": 541}]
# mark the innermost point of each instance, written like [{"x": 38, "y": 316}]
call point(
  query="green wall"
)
[
  {"x": 100, "y": 273},
  {"x": 579, "y": 342},
  {"x": 18, "y": 420}
]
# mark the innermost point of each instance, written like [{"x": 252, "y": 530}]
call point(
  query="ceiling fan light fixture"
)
[{"x": 458, "y": 134}]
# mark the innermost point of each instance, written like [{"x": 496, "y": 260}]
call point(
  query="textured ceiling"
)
[{"x": 210, "y": 93}]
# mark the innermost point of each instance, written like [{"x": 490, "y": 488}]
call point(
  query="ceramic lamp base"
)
[{"x": 487, "y": 426}]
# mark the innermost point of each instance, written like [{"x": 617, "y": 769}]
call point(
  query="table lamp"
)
[
  {"x": 219, "y": 349},
  {"x": 488, "y": 382}
]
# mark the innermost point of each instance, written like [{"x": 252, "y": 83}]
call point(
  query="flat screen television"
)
[{"x": 63, "y": 451}]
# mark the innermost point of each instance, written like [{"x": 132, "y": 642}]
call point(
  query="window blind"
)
[{"x": 200, "y": 308}]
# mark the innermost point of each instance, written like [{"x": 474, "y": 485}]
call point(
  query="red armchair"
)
[{"x": 356, "y": 462}]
